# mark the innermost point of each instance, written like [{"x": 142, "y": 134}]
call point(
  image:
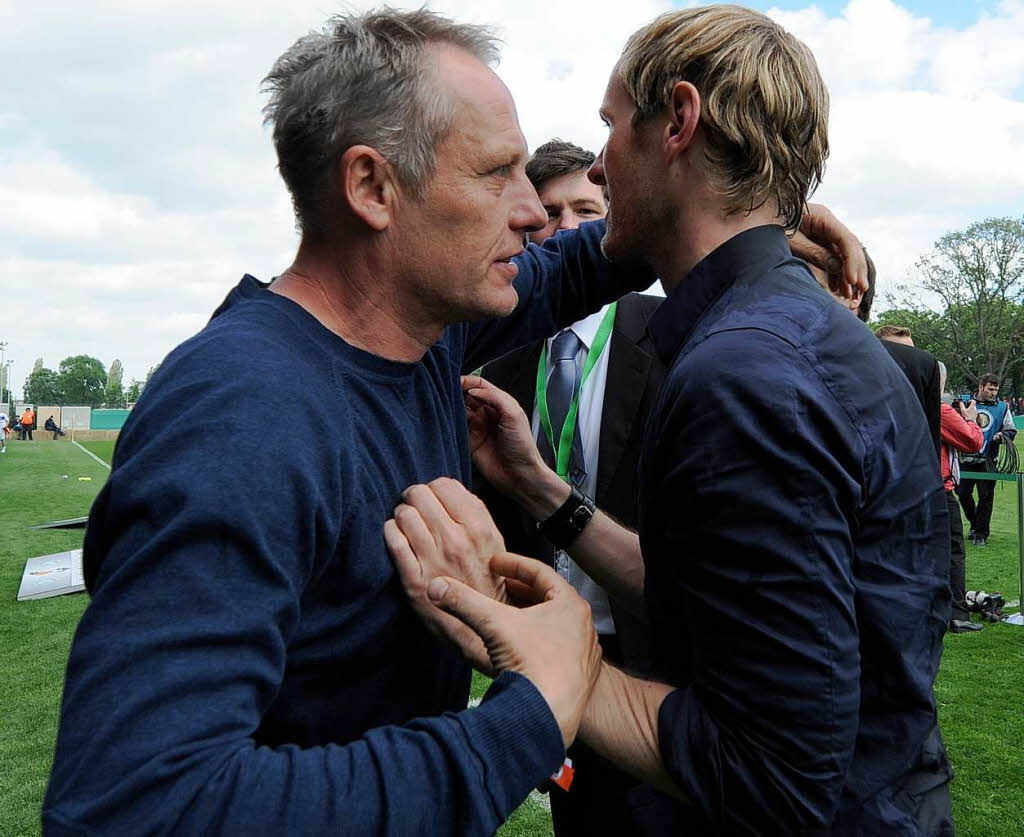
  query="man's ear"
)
[
  {"x": 366, "y": 184},
  {"x": 684, "y": 117}
]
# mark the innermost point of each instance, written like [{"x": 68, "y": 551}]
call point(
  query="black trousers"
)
[
  {"x": 979, "y": 515},
  {"x": 597, "y": 801},
  {"x": 957, "y": 560}
]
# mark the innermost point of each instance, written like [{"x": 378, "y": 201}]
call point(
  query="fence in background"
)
[{"x": 1017, "y": 478}]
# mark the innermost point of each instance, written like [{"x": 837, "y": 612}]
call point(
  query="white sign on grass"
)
[{"x": 52, "y": 575}]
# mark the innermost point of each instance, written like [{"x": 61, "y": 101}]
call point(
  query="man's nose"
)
[
  {"x": 529, "y": 214},
  {"x": 595, "y": 174},
  {"x": 568, "y": 220}
]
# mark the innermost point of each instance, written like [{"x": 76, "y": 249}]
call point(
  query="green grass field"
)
[{"x": 980, "y": 687}]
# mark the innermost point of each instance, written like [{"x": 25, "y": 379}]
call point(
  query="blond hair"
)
[
  {"x": 764, "y": 106},
  {"x": 887, "y": 331}
]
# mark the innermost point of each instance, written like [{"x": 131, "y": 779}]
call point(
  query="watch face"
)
[{"x": 581, "y": 516}]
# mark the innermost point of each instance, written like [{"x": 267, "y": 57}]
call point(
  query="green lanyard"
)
[{"x": 564, "y": 447}]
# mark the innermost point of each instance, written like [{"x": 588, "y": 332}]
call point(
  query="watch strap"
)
[{"x": 571, "y": 518}]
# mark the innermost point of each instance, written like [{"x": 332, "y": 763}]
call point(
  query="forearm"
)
[
  {"x": 621, "y": 723},
  {"x": 606, "y": 551},
  {"x": 204, "y": 782}
]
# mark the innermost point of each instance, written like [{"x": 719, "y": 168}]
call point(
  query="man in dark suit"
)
[
  {"x": 613, "y": 400},
  {"x": 921, "y": 369}
]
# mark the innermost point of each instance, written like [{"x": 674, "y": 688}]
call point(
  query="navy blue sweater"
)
[{"x": 248, "y": 663}]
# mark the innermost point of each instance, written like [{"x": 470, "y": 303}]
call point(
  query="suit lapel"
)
[
  {"x": 628, "y": 368},
  {"x": 519, "y": 370}
]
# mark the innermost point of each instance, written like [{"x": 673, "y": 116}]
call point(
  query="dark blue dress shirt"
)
[{"x": 797, "y": 549}]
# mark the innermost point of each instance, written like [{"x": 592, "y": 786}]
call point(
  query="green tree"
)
[
  {"x": 978, "y": 275},
  {"x": 83, "y": 380},
  {"x": 113, "y": 395},
  {"x": 43, "y": 387},
  {"x": 134, "y": 391}
]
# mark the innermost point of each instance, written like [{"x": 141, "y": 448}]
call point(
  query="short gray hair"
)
[{"x": 360, "y": 81}]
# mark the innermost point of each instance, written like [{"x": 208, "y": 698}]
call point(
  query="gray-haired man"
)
[{"x": 248, "y": 663}]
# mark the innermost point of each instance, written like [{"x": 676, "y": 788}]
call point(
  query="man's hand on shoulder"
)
[{"x": 826, "y": 242}]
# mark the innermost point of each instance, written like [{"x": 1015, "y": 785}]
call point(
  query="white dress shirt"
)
[{"x": 589, "y": 422}]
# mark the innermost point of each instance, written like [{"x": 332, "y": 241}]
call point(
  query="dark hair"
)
[
  {"x": 556, "y": 158},
  {"x": 866, "y": 301},
  {"x": 988, "y": 378}
]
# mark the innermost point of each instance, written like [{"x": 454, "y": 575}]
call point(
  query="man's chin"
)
[
  {"x": 499, "y": 306},
  {"x": 612, "y": 248}
]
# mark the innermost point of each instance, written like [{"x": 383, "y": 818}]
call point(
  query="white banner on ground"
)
[{"x": 52, "y": 575}]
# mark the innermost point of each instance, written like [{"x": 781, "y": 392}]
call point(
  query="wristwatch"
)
[{"x": 571, "y": 518}]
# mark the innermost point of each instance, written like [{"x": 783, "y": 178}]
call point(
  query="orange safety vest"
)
[{"x": 28, "y": 417}]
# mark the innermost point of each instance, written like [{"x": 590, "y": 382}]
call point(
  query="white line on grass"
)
[{"x": 88, "y": 452}]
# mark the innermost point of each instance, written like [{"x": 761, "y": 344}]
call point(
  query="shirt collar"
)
[
  {"x": 672, "y": 323},
  {"x": 586, "y": 329}
]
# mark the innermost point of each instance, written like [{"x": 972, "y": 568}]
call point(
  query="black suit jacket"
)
[
  {"x": 922, "y": 370},
  {"x": 634, "y": 377}
]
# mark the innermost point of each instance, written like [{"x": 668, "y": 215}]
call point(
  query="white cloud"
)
[
  {"x": 926, "y": 124},
  {"x": 137, "y": 184}
]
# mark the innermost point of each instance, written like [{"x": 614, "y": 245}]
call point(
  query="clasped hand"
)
[{"x": 504, "y": 612}]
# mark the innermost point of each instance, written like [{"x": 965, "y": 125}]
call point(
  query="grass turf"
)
[{"x": 979, "y": 686}]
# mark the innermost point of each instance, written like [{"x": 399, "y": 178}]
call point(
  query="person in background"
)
[
  {"x": 52, "y": 427},
  {"x": 606, "y": 365},
  {"x": 4, "y": 430},
  {"x": 996, "y": 422},
  {"x": 922, "y": 371},
  {"x": 28, "y": 420},
  {"x": 960, "y": 434}
]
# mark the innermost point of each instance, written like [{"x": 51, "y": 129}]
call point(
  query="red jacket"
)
[{"x": 957, "y": 434}]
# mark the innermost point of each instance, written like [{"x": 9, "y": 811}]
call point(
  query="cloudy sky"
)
[{"x": 137, "y": 183}]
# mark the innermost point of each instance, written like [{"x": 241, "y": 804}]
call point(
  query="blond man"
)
[{"x": 791, "y": 558}]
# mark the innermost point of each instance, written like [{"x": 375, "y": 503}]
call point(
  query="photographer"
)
[
  {"x": 960, "y": 433},
  {"x": 996, "y": 423}
]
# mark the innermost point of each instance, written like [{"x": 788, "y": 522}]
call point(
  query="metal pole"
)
[
  {"x": 1020, "y": 530},
  {"x": 3, "y": 373}
]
